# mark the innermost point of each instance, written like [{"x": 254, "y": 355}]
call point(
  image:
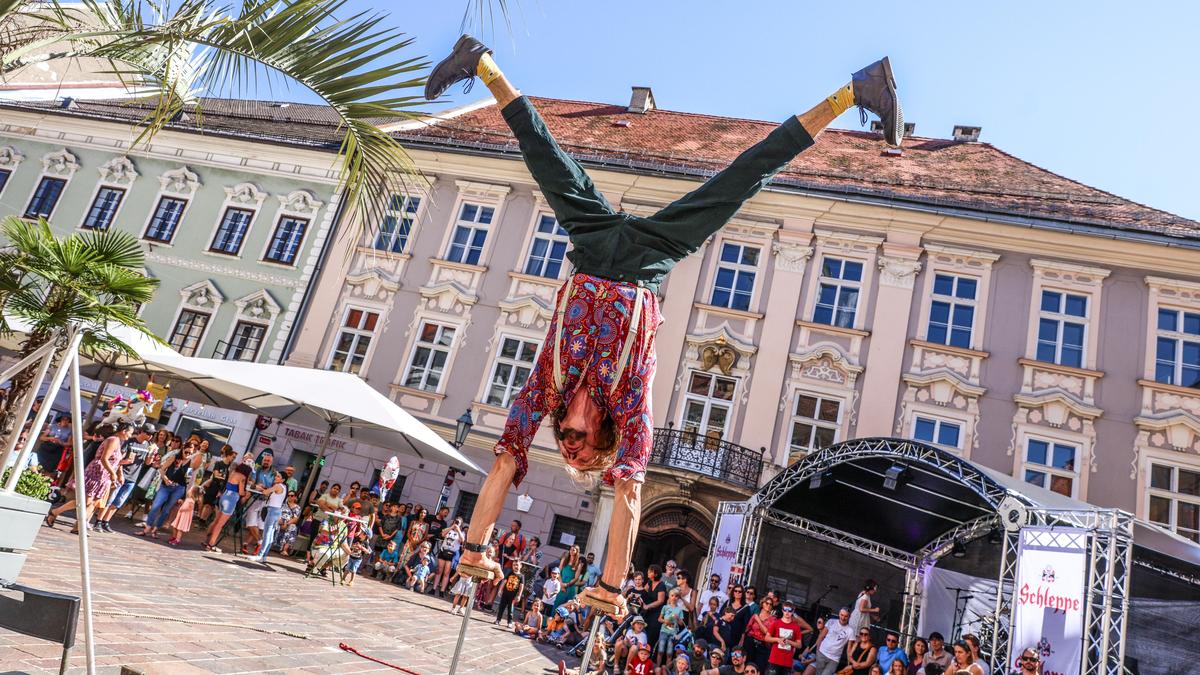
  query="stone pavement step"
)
[{"x": 177, "y": 668}]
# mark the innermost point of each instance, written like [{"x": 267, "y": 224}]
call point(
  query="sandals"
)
[{"x": 50, "y": 519}]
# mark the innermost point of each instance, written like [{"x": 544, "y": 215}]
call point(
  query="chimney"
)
[
  {"x": 642, "y": 100},
  {"x": 966, "y": 133}
]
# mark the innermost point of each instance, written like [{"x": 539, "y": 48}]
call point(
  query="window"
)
[
  {"x": 104, "y": 208},
  {"x": 232, "y": 231},
  {"x": 1177, "y": 360},
  {"x": 285, "y": 242},
  {"x": 470, "y": 233},
  {"x": 952, "y": 311},
  {"x": 165, "y": 219},
  {"x": 1051, "y": 465},
  {"x": 815, "y": 423},
  {"x": 466, "y": 505},
  {"x": 707, "y": 405},
  {"x": 577, "y": 532},
  {"x": 733, "y": 286},
  {"x": 353, "y": 341},
  {"x": 189, "y": 331},
  {"x": 245, "y": 342},
  {"x": 548, "y": 248},
  {"x": 397, "y": 224},
  {"x": 429, "y": 356},
  {"x": 513, "y": 364},
  {"x": 937, "y": 431},
  {"x": 45, "y": 197},
  {"x": 1175, "y": 499},
  {"x": 837, "y": 300},
  {"x": 1060, "y": 335},
  {"x": 4, "y": 174}
]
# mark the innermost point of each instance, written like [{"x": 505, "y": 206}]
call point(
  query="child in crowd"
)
[
  {"x": 358, "y": 549},
  {"x": 510, "y": 592},
  {"x": 531, "y": 626},
  {"x": 183, "y": 517},
  {"x": 291, "y": 531},
  {"x": 635, "y": 636},
  {"x": 419, "y": 566},
  {"x": 723, "y": 630},
  {"x": 388, "y": 561},
  {"x": 556, "y": 627},
  {"x": 640, "y": 664},
  {"x": 462, "y": 594}
]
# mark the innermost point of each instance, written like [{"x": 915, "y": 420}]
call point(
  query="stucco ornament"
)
[
  {"x": 118, "y": 171},
  {"x": 179, "y": 181},
  {"x": 10, "y": 157},
  {"x": 897, "y": 272},
  {"x": 60, "y": 163},
  {"x": 791, "y": 257}
]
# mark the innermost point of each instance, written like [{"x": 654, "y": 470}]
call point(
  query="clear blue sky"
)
[{"x": 1107, "y": 93}]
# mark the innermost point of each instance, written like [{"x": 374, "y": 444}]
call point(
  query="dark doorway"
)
[{"x": 674, "y": 532}]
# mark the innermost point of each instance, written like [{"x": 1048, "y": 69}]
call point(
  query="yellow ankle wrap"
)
[
  {"x": 487, "y": 70},
  {"x": 842, "y": 99}
]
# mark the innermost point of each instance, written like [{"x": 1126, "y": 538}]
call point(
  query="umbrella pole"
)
[
  {"x": 312, "y": 474},
  {"x": 82, "y": 515}
]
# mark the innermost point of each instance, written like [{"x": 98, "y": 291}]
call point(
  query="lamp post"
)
[{"x": 461, "y": 430}]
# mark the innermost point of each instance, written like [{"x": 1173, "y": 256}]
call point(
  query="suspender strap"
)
[
  {"x": 559, "y": 380},
  {"x": 628, "y": 346}
]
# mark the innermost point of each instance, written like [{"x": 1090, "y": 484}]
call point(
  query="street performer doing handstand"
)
[{"x": 594, "y": 374}]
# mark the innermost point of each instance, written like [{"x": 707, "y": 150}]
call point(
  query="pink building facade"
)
[{"x": 947, "y": 292}]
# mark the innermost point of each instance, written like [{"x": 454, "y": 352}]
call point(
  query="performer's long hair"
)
[{"x": 606, "y": 450}]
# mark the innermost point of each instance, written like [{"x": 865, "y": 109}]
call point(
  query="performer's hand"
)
[{"x": 609, "y": 597}]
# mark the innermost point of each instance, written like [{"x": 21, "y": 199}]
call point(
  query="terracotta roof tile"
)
[{"x": 974, "y": 176}]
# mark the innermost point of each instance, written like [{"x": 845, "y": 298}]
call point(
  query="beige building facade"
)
[{"x": 946, "y": 292}]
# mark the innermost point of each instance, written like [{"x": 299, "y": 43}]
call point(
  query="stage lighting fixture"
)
[
  {"x": 895, "y": 474},
  {"x": 960, "y": 549},
  {"x": 821, "y": 479}
]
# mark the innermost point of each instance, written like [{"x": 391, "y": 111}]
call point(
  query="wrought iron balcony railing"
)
[{"x": 712, "y": 457}]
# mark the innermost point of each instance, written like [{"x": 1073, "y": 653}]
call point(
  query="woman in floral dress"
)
[{"x": 99, "y": 476}]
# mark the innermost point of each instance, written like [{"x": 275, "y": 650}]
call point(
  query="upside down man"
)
[{"x": 594, "y": 373}]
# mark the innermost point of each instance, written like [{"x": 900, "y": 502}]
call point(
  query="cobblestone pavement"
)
[{"x": 132, "y": 576}]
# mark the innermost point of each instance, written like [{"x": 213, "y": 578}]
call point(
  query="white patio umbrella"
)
[{"x": 337, "y": 402}]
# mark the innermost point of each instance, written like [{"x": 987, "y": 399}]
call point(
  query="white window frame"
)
[
  {"x": 795, "y": 418},
  {"x": 1061, "y": 318},
  {"x": 958, "y": 262},
  {"x": 938, "y": 422},
  {"x": 299, "y": 205},
  {"x": 473, "y": 228},
  {"x": 498, "y": 359},
  {"x": 258, "y": 351},
  {"x": 551, "y": 239},
  {"x": 1076, "y": 475},
  {"x": 358, "y": 333},
  {"x": 245, "y": 196},
  {"x": 202, "y": 296},
  {"x": 308, "y": 224},
  {"x": 708, "y": 401},
  {"x": 178, "y": 183},
  {"x": 434, "y": 348},
  {"x": 10, "y": 160},
  {"x": 954, "y": 301},
  {"x": 117, "y": 173},
  {"x": 1146, "y": 491},
  {"x": 112, "y": 219},
  {"x": 401, "y": 215},
  {"x": 738, "y": 268},
  {"x": 841, "y": 284},
  {"x": 1178, "y": 336},
  {"x": 198, "y": 349},
  {"x": 484, "y": 194},
  {"x": 1062, "y": 277}
]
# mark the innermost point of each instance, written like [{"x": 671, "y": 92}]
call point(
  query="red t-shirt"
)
[
  {"x": 781, "y": 654},
  {"x": 641, "y": 667}
]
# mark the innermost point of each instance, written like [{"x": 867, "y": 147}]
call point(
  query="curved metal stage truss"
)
[{"x": 1109, "y": 534}]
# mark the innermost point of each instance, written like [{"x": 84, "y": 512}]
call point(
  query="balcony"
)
[{"x": 712, "y": 457}]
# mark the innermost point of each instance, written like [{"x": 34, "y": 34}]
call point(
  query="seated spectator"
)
[
  {"x": 388, "y": 561},
  {"x": 640, "y": 663},
  {"x": 891, "y": 651},
  {"x": 419, "y": 567},
  {"x": 531, "y": 625},
  {"x": 627, "y": 644}
]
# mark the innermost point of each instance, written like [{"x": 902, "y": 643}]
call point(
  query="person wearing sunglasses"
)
[
  {"x": 860, "y": 655},
  {"x": 785, "y": 636},
  {"x": 891, "y": 651},
  {"x": 831, "y": 644},
  {"x": 1031, "y": 662},
  {"x": 713, "y": 590}
]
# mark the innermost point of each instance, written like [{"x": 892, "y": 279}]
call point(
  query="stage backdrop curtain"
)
[{"x": 937, "y": 606}]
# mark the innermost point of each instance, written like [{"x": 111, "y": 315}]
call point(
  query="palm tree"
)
[
  {"x": 180, "y": 50},
  {"x": 87, "y": 280}
]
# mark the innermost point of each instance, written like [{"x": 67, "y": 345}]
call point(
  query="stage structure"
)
[{"x": 921, "y": 502}]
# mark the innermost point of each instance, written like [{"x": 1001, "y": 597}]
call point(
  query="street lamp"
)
[{"x": 464, "y": 424}]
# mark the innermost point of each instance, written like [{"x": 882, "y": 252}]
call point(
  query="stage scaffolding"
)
[{"x": 1109, "y": 535}]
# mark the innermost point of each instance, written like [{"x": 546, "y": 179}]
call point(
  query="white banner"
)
[
  {"x": 1048, "y": 598},
  {"x": 725, "y": 545}
]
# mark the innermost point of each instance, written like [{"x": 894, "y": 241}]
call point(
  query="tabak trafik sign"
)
[{"x": 1049, "y": 598}]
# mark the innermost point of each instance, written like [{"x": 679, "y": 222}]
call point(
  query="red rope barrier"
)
[{"x": 347, "y": 648}]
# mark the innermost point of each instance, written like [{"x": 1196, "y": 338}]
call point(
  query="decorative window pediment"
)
[
  {"x": 202, "y": 295},
  {"x": 60, "y": 163},
  {"x": 180, "y": 182},
  {"x": 300, "y": 202},
  {"x": 372, "y": 284},
  {"x": 258, "y": 306},
  {"x": 246, "y": 195},
  {"x": 118, "y": 171},
  {"x": 10, "y": 157}
]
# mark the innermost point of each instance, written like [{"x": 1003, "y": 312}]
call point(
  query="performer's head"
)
[{"x": 586, "y": 434}]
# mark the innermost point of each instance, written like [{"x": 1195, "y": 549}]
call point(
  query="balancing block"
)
[
  {"x": 474, "y": 572},
  {"x": 609, "y": 608}
]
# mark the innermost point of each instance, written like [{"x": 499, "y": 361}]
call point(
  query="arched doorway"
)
[{"x": 673, "y": 532}]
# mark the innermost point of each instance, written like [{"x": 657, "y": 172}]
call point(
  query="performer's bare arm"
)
[
  {"x": 627, "y": 513},
  {"x": 487, "y": 510}
]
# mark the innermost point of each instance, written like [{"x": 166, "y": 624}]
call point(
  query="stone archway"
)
[{"x": 673, "y": 531}]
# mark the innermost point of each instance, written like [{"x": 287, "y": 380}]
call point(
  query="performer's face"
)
[{"x": 580, "y": 429}]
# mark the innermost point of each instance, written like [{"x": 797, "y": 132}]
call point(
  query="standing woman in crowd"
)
[
  {"x": 174, "y": 470},
  {"x": 916, "y": 658},
  {"x": 452, "y": 538},
  {"x": 99, "y": 477},
  {"x": 973, "y": 640},
  {"x": 963, "y": 660},
  {"x": 275, "y": 495},
  {"x": 754, "y": 642},
  {"x": 570, "y": 570},
  {"x": 741, "y": 613},
  {"x": 653, "y": 598},
  {"x": 418, "y": 529},
  {"x": 864, "y": 612},
  {"x": 235, "y": 490},
  {"x": 687, "y": 595}
]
